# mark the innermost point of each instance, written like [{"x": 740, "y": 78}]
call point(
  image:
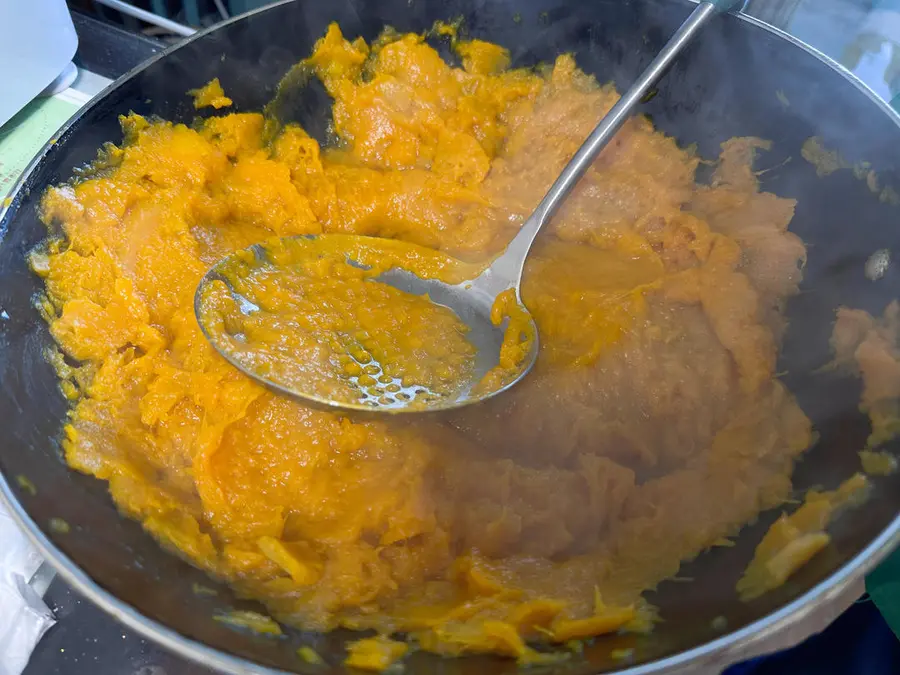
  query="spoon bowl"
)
[{"x": 471, "y": 300}]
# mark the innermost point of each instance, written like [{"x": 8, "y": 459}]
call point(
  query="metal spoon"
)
[{"x": 472, "y": 300}]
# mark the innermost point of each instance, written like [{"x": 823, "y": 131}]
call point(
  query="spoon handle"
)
[{"x": 613, "y": 120}]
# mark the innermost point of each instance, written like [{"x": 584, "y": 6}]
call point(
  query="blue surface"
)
[{"x": 858, "y": 643}]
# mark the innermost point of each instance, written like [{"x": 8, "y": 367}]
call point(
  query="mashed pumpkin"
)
[{"x": 651, "y": 427}]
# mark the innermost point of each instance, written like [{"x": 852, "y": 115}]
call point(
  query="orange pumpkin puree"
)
[
  {"x": 209, "y": 95},
  {"x": 651, "y": 427}
]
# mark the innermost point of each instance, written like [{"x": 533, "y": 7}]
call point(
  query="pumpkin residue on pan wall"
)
[
  {"x": 210, "y": 95},
  {"x": 652, "y": 426}
]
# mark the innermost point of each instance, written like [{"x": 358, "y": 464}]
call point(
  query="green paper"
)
[
  {"x": 26, "y": 133},
  {"x": 883, "y": 586}
]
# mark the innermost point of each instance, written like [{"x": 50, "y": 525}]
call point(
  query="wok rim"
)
[{"x": 725, "y": 650}]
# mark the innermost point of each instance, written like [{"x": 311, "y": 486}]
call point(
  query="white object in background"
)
[
  {"x": 873, "y": 54},
  {"x": 24, "y": 617},
  {"x": 149, "y": 17},
  {"x": 37, "y": 42},
  {"x": 63, "y": 81}
]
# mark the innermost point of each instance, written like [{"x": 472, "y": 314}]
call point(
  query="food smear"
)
[
  {"x": 249, "y": 620},
  {"x": 877, "y": 462},
  {"x": 869, "y": 347},
  {"x": 376, "y": 653},
  {"x": 210, "y": 95},
  {"x": 651, "y": 427},
  {"x": 793, "y": 540},
  {"x": 518, "y": 342},
  {"x": 827, "y": 162}
]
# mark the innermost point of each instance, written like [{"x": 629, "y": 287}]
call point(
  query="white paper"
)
[{"x": 24, "y": 617}]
